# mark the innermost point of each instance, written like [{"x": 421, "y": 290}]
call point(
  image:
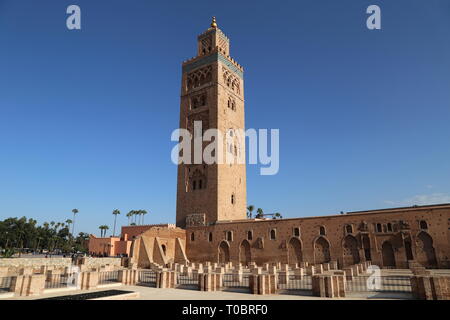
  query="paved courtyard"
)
[{"x": 149, "y": 293}]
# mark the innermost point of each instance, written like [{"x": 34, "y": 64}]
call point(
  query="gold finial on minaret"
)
[{"x": 213, "y": 23}]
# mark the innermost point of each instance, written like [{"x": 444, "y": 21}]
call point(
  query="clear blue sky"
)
[{"x": 86, "y": 116}]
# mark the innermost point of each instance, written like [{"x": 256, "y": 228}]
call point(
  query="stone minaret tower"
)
[{"x": 212, "y": 92}]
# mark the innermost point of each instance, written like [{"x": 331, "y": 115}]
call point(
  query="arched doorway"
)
[
  {"x": 295, "y": 251},
  {"x": 224, "y": 253},
  {"x": 245, "y": 256},
  {"x": 366, "y": 246},
  {"x": 408, "y": 250},
  {"x": 322, "y": 251},
  {"x": 388, "y": 255},
  {"x": 426, "y": 255},
  {"x": 350, "y": 251}
]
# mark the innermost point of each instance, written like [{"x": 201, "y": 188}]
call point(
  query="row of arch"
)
[{"x": 425, "y": 253}]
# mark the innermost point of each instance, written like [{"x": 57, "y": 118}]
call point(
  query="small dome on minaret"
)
[{"x": 214, "y": 23}]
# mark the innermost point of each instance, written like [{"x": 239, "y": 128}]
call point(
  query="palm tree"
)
[
  {"x": 115, "y": 213},
  {"x": 250, "y": 209},
  {"x": 103, "y": 229},
  {"x": 135, "y": 213},
  {"x": 74, "y": 211},
  {"x": 144, "y": 212},
  {"x": 69, "y": 222},
  {"x": 138, "y": 216},
  {"x": 277, "y": 215},
  {"x": 260, "y": 213},
  {"x": 129, "y": 215},
  {"x": 106, "y": 228}
]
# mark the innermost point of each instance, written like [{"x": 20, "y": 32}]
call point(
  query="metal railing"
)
[
  {"x": 59, "y": 281},
  {"x": 5, "y": 284},
  {"x": 187, "y": 280},
  {"x": 231, "y": 280},
  {"x": 379, "y": 284},
  {"x": 294, "y": 282},
  {"x": 147, "y": 277},
  {"x": 106, "y": 277}
]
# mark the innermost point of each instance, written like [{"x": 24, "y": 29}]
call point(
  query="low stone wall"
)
[
  {"x": 98, "y": 262},
  {"x": 15, "y": 264},
  {"x": 427, "y": 287},
  {"x": 35, "y": 262}
]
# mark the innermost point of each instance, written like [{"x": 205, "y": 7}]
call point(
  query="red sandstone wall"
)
[{"x": 437, "y": 218}]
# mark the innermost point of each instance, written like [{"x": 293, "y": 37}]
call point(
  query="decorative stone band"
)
[
  {"x": 195, "y": 220},
  {"x": 212, "y": 30},
  {"x": 216, "y": 56}
]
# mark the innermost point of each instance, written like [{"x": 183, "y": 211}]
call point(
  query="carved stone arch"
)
[
  {"x": 388, "y": 255},
  {"x": 223, "y": 252},
  {"x": 425, "y": 252},
  {"x": 197, "y": 178},
  {"x": 365, "y": 243},
  {"x": 321, "y": 250},
  {"x": 350, "y": 250},
  {"x": 408, "y": 248},
  {"x": 295, "y": 254},
  {"x": 245, "y": 254}
]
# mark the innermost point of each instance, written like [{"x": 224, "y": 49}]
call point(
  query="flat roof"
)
[
  {"x": 415, "y": 207},
  {"x": 353, "y": 213}
]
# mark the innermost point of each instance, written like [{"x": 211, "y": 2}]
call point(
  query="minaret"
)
[{"x": 212, "y": 91}]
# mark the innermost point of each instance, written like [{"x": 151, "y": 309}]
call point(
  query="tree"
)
[
  {"x": 143, "y": 212},
  {"x": 103, "y": 229},
  {"x": 277, "y": 216},
  {"x": 259, "y": 214},
  {"x": 115, "y": 213},
  {"x": 74, "y": 211},
  {"x": 133, "y": 215},
  {"x": 129, "y": 216},
  {"x": 250, "y": 209},
  {"x": 138, "y": 216},
  {"x": 69, "y": 222},
  {"x": 17, "y": 234},
  {"x": 106, "y": 229}
]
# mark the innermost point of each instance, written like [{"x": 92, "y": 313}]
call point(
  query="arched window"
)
[
  {"x": 163, "y": 248},
  {"x": 423, "y": 225},
  {"x": 200, "y": 184},
  {"x": 194, "y": 185},
  {"x": 389, "y": 227},
  {"x": 192, "y": 236},
  {"x": 349, "y": 228},
  {"x": 210, "y": 237},
  {"x": 378, "y": 227},
  {"x": 229, "y": 236},
  {"x": 296, "y": 232},
  {"x": 249, "y": 235},
  {"x": 322, "y": 231},
  {"x": 273, "y": 234}
]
